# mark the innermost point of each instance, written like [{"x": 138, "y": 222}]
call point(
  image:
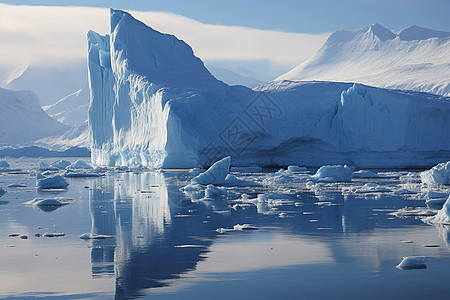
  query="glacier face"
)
[{"x": 153, "y": 103}]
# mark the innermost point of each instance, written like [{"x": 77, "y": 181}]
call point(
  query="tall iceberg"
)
[{"x": 153, "y": 103}]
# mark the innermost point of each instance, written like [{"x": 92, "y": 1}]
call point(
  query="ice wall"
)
[{"x": 153, "y": 103}]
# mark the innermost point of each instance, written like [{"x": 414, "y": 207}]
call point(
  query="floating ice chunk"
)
[
  {"x": 47, "y": 202},
  {"x": 54, "y": 234},
  {"x": 61, "y": 164},
  {"x": 439, "y": 174},
  {"x": 17, "y": 185},
  {"x": 2, "y": 191},
  {"x": 216, "y": 174},
  {"x": 223, "y": 230},
  {"x": 94, "y": 236},
  {"x": 212, "y": 191},
  {"x": 412, "y": 262},
  {"x": 414, "y": 212},
  {"x": 443, "y": 215},
  {"x": 52, "y": 182},
  {"x": 245, "y": 227},
  {"x": 296, "y": 169},
  {"x": 81, "y": 173},
  {"x": 275, "y": 199},
  {"x": 43, "y": 166},
  {"x": 4, "y": 164},
  {"x": 80, "y": 164},
  {"x": 364, "y": 174},
  {"x": 337, "y": 172},
  {"x": 366, "y": 189}
]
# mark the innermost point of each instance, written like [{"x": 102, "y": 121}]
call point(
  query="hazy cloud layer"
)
[{"x": 55, "y": 35}]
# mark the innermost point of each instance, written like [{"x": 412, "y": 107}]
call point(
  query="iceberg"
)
[
  {"x": 439, "y": 174},
  {"x": 443, "y": 215},
  {"x": 335, "y": 173},
  {"x": 216, "y": 174},
  {"x": 4, "y": 164},
  {"x": 51, "y": 182},
  {"x": 79, "y": 164},
  {"x": 412, "y": 262},
  {"x": 154, "y": 104}
]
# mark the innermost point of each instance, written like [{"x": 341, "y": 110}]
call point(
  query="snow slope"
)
[
  {"x": 49, "y": 83},
  {"x": 22, "y": 118},
  {"x": 153, "y": 103},
  {"x": 72, "y": 109},
  {"x": 414, "y": 59}
]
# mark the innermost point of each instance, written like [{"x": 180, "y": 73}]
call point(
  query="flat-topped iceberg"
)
[{"x": 154, "y": 104}]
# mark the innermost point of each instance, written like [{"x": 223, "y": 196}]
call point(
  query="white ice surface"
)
[
  {"x": 51, "y": 182},
  {"x": 443, "y": 215},
  {"x": 412, "y": 262},
  {"x": 153, "y": 103},
  {"x": 80, "y": 164},
  {"x": 216, "y": 174},
  {"x": 373, "y": 55},
  {"x": 439, "y": 174}
]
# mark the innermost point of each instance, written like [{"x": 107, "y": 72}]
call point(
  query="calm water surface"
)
[{"x": 164, "y": 243}]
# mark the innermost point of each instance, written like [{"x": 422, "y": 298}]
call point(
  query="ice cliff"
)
[{"x": 153, "y": 103}]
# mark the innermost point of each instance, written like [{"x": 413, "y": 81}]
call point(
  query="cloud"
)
[{"x": 55, "y": 35}]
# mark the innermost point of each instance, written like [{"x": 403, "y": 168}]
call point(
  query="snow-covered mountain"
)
[
  {"x": 72, "y": 109},
  {"x": 155, "y": 104},
  {"x": 413, "y": 59},
  {"x": 22, "y": 119},
  {"x": 49, "y": 83}
]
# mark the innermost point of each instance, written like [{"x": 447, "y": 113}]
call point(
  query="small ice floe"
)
[
  {"x": 59, "y": 201},
  {"x": 274, "y": 199},
  {"x": 43, "y": 166},
  {"x": 282, "y": 215},
  {"x": 54, "y": 234},
  {"x": 80, "y": 164},
  {"x": 241, "y": 206},
  {"x": 237, "y": 227},
  {"x": 212, "y": 191},
  {"x": 17, "y": 185},
  {"x": 364, "y": 174},
  {"x": 51, "y": 182},
  {"x": 189, "y": 246},
  {"x": 223, "y": 230},
  {"x": 414, "y": 212},
  {"x": 412, "y": 262},
  {"x": 334, "y": 173},
  {"x": 245, "y": 227},
  {"x": 443, "y": 215},
  {"x": 431, "y": 245},
  {"x": 94, "y": 236},
  {"x": 2, "y": 191},
  {"x": 439, "y": 174},
  {"x": 61, "y": 164},
  {"x": 296, "y": 169},
  {"x": 216, "y": 174},
  {"x": 4, "y": 164},
  {"x": 71, "y": 173},
  {"x": 366, "y": 189},
  {"x": 407, "y": 242}
]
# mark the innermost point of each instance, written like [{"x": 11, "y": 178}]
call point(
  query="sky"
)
[{"x": 266, "y": 37}]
